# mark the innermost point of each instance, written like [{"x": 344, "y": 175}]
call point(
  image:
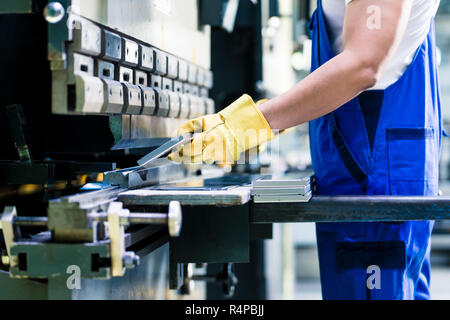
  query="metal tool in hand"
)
[
  {"x": 144, "y": 174},
  {"x": 159, "y": 152},
  {"x": 170, "y": 145},
  {"x": 165, "y": 148}
]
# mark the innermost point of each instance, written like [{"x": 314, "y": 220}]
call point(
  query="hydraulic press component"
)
[
  {"x": 94, "y": 226},
  {"x": 96, "y": 59}
]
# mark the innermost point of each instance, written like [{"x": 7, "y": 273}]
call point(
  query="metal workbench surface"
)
[{"x": 148, "y": 197}]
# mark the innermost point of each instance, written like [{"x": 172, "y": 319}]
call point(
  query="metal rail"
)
[{"x": 353, "y": 208}]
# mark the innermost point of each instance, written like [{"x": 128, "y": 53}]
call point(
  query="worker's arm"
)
[
  {"x": 243, "y": 125},
  {"x": 366, "y": 51}
]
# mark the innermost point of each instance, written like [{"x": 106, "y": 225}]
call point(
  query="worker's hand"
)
[{"x": 221, "y": 137}]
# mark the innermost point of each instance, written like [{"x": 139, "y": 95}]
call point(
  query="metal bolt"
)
[
  {"x": 30, "y": 221},
  {"x": 130, "y": 259},
  {"x": 54, "y": 12}
]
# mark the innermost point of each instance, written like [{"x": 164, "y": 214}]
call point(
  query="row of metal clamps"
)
[
  {"x": 88, "y": 38},
  {"x": 106, "y": 96}
]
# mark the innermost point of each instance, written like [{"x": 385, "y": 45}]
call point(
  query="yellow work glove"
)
[{"x": 223, "y": 136}]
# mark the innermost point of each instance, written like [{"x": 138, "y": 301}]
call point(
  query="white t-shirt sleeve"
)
[{"x": 422, "y": 12}]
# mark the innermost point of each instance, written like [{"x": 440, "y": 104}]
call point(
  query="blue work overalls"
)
[{"x": 384, "y": 142}]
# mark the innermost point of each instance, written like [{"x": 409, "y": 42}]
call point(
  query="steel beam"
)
[{"x": 353, "y": 208}]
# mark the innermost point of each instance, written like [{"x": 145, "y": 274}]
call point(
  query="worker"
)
[{"x": 375, "y": 126}]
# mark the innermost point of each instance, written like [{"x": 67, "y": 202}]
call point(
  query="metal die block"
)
[
  {"x": 130, "y": 53},
  {"x": 182, "y": 70},
  {"x": 178, "y": 86},
  {"x": 67, "y": 221},
  {"x": 192, "y": 74},
  {"x": 210, "y": 106},
  {"x": 62, "y": 90},
  {"x": 148, "y": 101},
  {"x": 89, "y": 94},
  {"x": 104, "y": 69},
  {"x": 195, "y": 91},
  {"x": 172, "y": 67},
  {"x": 156, "y": 81},
  {"x": 111, "y": 46},
  {"x": 195, "y": 107},
  {"x": 81, "y": 65},
  {"x": 186, "y": 88},
  {"x": 167, "y": 84},
  {"x": 162, "y": 103},
  {"x": 126, "y": 75},
  {"x": 161, "y": 63},
  {"x": 123, "y": 125},
  {"x": 202, "y": 106},
  {"x": 141, "y": 78},
  {"x": 203, "y": 93},
  {"x": 200, "y": 76},
  {"x": 174, "y": 102},
  {"x": 132, "y": 98},
  {"x": 146, "y": 58},
  {"x": 185, "y": 107},
  {"x": 86, "y": 38},
  {"x": 209, "y": 79},
  {"x": 114, "y": 99}
]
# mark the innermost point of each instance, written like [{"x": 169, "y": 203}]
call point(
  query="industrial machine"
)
[
  {"x": 92, "y": 86},
  {"x": 91, "y": 93}
]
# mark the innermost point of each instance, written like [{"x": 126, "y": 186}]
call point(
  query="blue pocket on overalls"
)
[{"x": 411, "y": 161}]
